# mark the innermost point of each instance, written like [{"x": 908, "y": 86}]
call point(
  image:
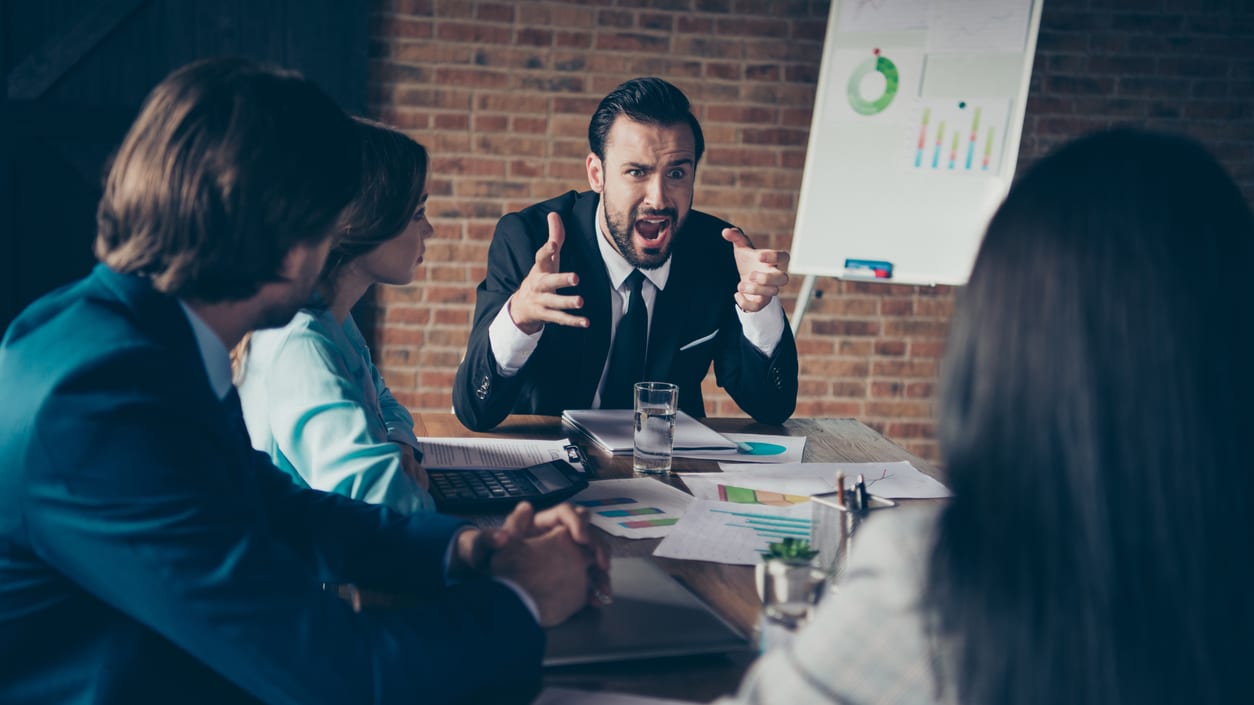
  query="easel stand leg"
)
[{"x": 803, "y": 300}]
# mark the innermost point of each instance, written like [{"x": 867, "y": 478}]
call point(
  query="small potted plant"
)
[
  {"x": 788, "y": 576},
  {"x": 791, "y": 550},
  {"x": 790, "y": 583}
]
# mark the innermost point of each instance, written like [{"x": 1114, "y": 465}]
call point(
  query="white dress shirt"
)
[{"x": 512, "y": 348}]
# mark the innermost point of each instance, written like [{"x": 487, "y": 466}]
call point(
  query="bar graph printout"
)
[
  {"x": 634, "y": 508},
  {"x": 737, "y": 534}
]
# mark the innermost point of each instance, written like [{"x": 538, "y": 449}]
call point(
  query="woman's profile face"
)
[{"x": 393, "y": 262}]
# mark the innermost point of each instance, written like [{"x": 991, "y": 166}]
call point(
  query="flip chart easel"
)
[{"x": 914, "y": 138}]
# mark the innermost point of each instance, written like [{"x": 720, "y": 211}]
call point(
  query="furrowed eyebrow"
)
[{"x": 650, "y": 167}]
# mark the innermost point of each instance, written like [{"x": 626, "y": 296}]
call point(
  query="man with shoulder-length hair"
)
[
  {"x": 147, "y": 553},
  {"x": 588, "y": 293}
]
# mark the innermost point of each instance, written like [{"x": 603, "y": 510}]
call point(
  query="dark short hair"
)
[
  {"x": 393, "y": 179},
  {"x": 648, "y": 100},
  {"x": 1095, "y": 400},
  {"x": 229, "y": 165}
]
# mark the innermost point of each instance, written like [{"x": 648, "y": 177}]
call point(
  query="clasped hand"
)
[{"x": 552, "y": 554}]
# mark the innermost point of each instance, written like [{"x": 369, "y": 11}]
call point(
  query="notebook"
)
[
  {"x": 652, "y": 616},
  {"x": 613, "y": 431}
]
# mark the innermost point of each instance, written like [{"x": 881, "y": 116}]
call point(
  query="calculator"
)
[{"x": 470, "y": 491}]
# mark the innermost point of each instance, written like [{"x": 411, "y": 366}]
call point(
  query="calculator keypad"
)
[{"x": 482, "y": 484}]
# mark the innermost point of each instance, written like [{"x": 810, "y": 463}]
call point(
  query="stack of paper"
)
[
  {"x": 614, "y": 429},
  {"x": 894, "y": 480},
  {"x": 488, "y": 453}
]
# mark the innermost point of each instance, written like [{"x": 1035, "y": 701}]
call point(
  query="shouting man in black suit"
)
[{"x": 588, "y": 293}]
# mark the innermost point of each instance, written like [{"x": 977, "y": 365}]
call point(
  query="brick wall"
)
[{"x": 501, "y": 94}]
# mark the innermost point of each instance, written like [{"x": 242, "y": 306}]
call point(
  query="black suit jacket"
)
[
  {"x": 694, "y": 323},
  {"x": 149, "y": 555}
]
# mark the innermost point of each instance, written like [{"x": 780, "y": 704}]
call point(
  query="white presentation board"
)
[{"x": 914, "y": 136}]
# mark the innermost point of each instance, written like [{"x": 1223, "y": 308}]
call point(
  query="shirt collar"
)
[
  {"x": 617, "y": 266},
  {"x": 213, "y": 353}
]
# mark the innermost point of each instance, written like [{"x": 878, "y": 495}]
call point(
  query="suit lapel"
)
[
  {"x": 163, "y": 319},
  {"x": 668, "y": 321},
  {"x": 594, "y": 286}
]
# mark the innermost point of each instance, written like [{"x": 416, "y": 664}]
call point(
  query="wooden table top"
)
[{"x": 728, "y": 588}]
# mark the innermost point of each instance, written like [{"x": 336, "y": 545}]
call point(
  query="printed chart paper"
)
[
  {"x": 761, "y": 449},
  {"x": 894, "y": 480},
  {"x": 731, "y": 533},
  {"x": 634, "y": 508},
  {"x": 754, "y": 489}
]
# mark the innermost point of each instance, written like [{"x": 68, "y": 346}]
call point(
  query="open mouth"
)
[{"x": 653, "y": 230}]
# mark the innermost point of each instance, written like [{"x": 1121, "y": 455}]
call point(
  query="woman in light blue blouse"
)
[{"x": 313, "y": 399}]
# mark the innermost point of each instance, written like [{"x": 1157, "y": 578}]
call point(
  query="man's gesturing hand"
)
[
  {"x": 762, "y": 272},
  {"x": 537, "y": 302}
]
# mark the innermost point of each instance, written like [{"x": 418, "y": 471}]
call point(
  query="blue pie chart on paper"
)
[{"x": 759, "y": 448}]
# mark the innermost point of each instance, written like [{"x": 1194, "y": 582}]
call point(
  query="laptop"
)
[
  {"x": 652, "y": 616},
  {"x": 467, "y": 491}
]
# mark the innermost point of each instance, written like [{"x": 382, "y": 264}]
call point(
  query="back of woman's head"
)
[
  {"x": 1095, "y": 396},
  {"x": 393, "y": 181}
]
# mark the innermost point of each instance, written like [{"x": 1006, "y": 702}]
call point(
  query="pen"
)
[
  {"x": 840, "y": 489},
  {"x": 742, "y": 447},
  {"x": 863, "y": 499}
]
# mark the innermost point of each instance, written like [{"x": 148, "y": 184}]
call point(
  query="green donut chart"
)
[{"x": 884, "y": 67}]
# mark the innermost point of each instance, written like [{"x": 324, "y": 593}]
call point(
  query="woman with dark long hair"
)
[
  {"x": 312, "y": 398},
  {"x": 1096, "y": 392}
]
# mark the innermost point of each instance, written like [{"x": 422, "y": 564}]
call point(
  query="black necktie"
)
[
  {"x": 234, "y": 411},
  {"x": 627, "y": 357}
]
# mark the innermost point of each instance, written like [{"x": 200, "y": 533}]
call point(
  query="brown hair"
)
[
  {"x": 229, "y": 165},
  {"x": 393, "y": 180}
]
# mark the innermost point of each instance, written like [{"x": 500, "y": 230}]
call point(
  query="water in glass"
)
[{"x": 655, "y": 432}]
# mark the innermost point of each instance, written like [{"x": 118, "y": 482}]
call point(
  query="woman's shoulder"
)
[
  {"x": 896, "y": 542},
  {"x": 311, "y": 332}
]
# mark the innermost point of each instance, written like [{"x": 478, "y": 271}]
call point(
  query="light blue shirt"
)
[
  {"x": 314, "y": 401},
  {"x": 218, "y": 369}
]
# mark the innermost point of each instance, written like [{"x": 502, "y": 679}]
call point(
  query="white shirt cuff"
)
[
  {"x": 764, "y": 329},
  {"x": 510, "y": 346}
]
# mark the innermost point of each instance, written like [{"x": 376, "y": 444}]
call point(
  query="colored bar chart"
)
[
  {"x": 744, "y": 495},
  {"x": 630, "y": 512},
  {"x": 767, "y": 525},
  {"x": 955, "y": 136},
  {"x": 633, "y": 508},
  {"x": 736, "y": 534},
  {"x": 594, "y": 504}
]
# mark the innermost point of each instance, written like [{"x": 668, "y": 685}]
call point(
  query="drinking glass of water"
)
[{"x": 655, "y": 405}]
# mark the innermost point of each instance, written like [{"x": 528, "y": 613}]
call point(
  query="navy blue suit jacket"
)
[
  {"x": 694, "y": 324},
  {"x": 148, "y": 554}
]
